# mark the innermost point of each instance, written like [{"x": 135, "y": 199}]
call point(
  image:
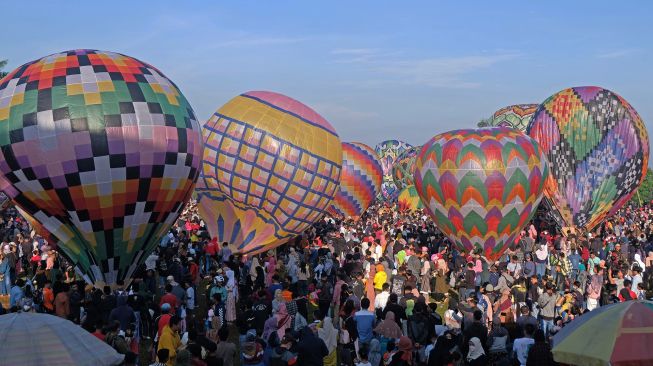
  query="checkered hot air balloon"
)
[
  {"x": 103, "y": 150},
  {"x": 271, "y": 168},
  {"x": 598, "y": 148},
  {"x": 481, "y": 187},
  {"x": 360, "y": 180},
  {"x": 388, "y": 151}
]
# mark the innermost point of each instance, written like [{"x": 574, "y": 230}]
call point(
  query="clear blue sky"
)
[{"x": 375, "y": 69}]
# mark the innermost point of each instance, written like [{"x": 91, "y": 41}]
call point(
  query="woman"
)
[
  {"x": 270, "y": 269},
  {"x": 277, "y": 301},
  {"x": 425, "y": 275},
  {"x": 476, "y": 355},
  {"x": 388, "y": 327},
  {"x": 329, "y": 335},
  {"x": 503, "y": 308},
  {"x": 232, "y": 297},
  {"x": 529, "y": 267},
  {"x": 5, "y": 282},
  {"x": 284, "y": 321},
  {"x": 404, "y": 354}
]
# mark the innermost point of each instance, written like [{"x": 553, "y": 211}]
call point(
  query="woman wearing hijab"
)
[
  {"x": 269, "y": 327},
  {"x": 374, "y": 356},
  {"x": 270, "y": 269},
  {"x": 329, "y": 335},
  {"x": 388, "y": 327},
  {"x": 404, "y": 354},
  {"x": 441, "y": 353},
  {"x": 476, "y": 355},
  {"x": 369, "y": 287},
  {"x": 284, "y": 320},
  {"x": 277, "y": 301},
  {"x": 232, "y": 296}
]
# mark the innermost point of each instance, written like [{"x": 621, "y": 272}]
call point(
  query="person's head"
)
[
  {"x": 175, "y": 323},
  {"x": 168, "y": 287},
  {"x": 386, "y": 286},
  {"x": 478, "y": 315},
  {"x": 223, "y": 334},
  {"x": 365, "y": 303},
  {"x": 524, "y": 310},
  {"x": 163, "y": 355},
  {"x": 539, "y": 336},
  {"x": 549, "y": 288},
  {"x": 529, "y": 329},
  {"x": 628, "y": 283},
  {"x": 392, "y": 298}
]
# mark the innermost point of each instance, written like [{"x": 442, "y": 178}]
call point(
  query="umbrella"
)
[
  {"x": 28, "y": 339},
  {"x": 617, "y": 334}
]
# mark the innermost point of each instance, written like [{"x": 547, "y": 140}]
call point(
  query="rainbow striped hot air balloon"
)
[
  {"x": 481, "y": 187},
  {"x": 409, "y": 199},
  {"x": 404, "y": 168},
  {"x": 360, "y": 180},
  {"x": 271, "y": 167}
]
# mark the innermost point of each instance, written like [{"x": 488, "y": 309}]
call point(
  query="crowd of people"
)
[{"x": 385, "y": 289}]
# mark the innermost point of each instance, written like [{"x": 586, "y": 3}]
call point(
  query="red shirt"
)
[
  {"x": 170, "y": 299},
  {"x": 193, "y": 269},
  {"x": 98, "y": 334},
  {"x": 211, "y": 248}
]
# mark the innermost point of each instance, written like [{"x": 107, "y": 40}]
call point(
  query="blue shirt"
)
[
  {"x": 364, "y": 325},
  {"x": 15, "y": 295}
]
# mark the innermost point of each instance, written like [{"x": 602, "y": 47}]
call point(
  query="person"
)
[
  {"x": 123, "y": 313},
  {"x": 364, "y": 361},
  {"x": 476, "y": 354},
  {"x": 522, "y": 345},
  {"x": 539, "y": 353},
  {"x": 162, "y": 356},
  {"x": 282, "y": 355},
  {"x": 226, "y": 350},
  {"x": 311, "y": 350},
  {"x": 388, "y": 327},
  {"x": 626, "y": 293},
  {"x": 364, "y": 323},
  {"x": 547, "y": 303},
  {"x": 381, "y": 299},
  {"x": 170, "y": 339},
  {"x": 17, "y": 293},
  {"x": 61, "y": 302},
  {"x": 476, "y": 330},
  {"x": 329, "y": 335},
  {"x": 404, "y": 354}
]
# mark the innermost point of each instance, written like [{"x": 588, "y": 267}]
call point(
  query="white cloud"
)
[{"x": 617, "y": 53}]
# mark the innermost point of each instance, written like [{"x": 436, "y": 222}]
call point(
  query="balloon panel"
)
[
  {"x": 598, "y": 148},
  {"x": 409, "y": 199},
  {"x": 100, "y": 148},
  {"x": 271, "y": 167},
  {"x": 481, "y": 186},
  {"x": 403, "y": 168},
  {"x": 514, "y": 116},
  {"x": 388, "y": 151},
  {"x": 360, "y": 180}
]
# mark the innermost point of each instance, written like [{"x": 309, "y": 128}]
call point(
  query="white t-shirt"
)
[{"x": 521, "y": 347}]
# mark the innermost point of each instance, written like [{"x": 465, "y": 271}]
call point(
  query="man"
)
[
  {"x": 162, "y": 355},
  {"x": 548, "y": 302},
  {"x": 522, "y": 345},
  {"x": 626, "y": 293},
  {"x": 123, "y": 313},
  {"x": 225, "y": 252},
  {"x": 170, "y": 339},
  {"x": 381, "y": 300},
  {"x": 398, "y": 310},
  {"x": 525, "y": 318},
  {"x": 226, "y": 351},
  {"x": 164, "y": 318},
  {"x": 169, "y": 298},
  {"x": 16, "y": 294},
  {"x": 476, "y": 329},
  {"x": 365, "y": 320}
]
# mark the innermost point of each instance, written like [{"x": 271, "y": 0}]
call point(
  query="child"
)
[{"x": 363, "y": 357}]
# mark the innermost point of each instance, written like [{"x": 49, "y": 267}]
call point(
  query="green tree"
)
[
  {"x": 484, "y": 122},
  {"x": 645, "y": 192},
  {"x": 3, "y": 63}
]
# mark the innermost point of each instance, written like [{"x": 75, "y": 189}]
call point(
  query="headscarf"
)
[
  {"x": 388, "y": 327},
  {"x": 475, "y": 349},
  {"x": 270, "y": 327},
  {"x": 638, "y": 260},
  {"x": 410, "y": 304},
  {"x": 252, "y": 268},
  {"x": 380, "y": 268},
  {"x": 374, "y": 356},
  {"x": 328, "y": 334},
  {"x": 405, "y": 345},
  {"x": 284, "y": 321}
]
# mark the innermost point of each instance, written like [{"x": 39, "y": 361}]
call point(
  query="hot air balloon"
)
[
  {"x": 39, "y": 229},
  {"x": 409, "y": 199},
  {"x": 271, "y": 168},
  {"x": 403, "y": 168},
  {"x": 388, "y": 151},
  {"x": 360, "y": 180},
  {"x": 103, "y": 150},
  {"x": 598, "y": 149},
  {"x": 514, "y": 116},
  {"x": 481, "y": 187}
]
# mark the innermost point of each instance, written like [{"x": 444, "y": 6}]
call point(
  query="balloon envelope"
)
[
  {"x": 409, "y": 199},
  {"x": 103, "y": 150},
  {"x": 516, "y": 116},
  {"x": 481, "y": 187},
  {"x": 598, "y": 148},
  {"x": 271, "y": 167},
  {"x": 404, "y": 168},
  {"x": 360, "y": 180},
  {"x": 388, "y": 151}
]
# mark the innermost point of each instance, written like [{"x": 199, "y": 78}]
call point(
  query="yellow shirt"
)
[
  {"x": 169, "y": 340},
  {"x": 379, "y": 279}
]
